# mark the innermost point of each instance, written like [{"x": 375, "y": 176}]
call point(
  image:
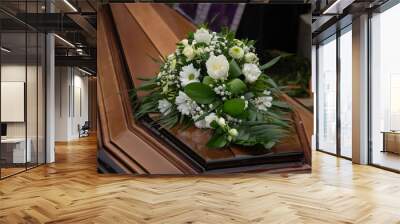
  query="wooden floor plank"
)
[{"x": 71, "y": 191}]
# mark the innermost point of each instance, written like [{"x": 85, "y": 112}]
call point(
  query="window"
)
[
  {"x": 326, "y": 59},
  {"x": 385, "y": 89},
  {"x": 346, "y": 95}
]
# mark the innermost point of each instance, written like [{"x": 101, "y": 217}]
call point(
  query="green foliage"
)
[
  {"x": 234, "y": 69},
  {"x": 200, "y": 93},
  {"x": 236, "y": 86},
  {"x": 292, "y": 73},
  {"x": 208, "y": 80},
  {"x": 234, "y": 107},
  {"x": 218, "y": 140},
  {"x": 252, "y": 133}
]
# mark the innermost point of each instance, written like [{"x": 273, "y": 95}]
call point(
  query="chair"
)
[{"x": 84, "y": 130}]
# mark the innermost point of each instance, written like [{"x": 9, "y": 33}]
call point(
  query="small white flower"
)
[
  {"x": 171, "y": 56},
  {"x": 210, "y": 118},
  {"x": 236, "y": 52},
  {"x": 233, "y": 132},
  {"x": 263, "y": 102},
  {"x": 173, "y": 64},
  {"x": 200, "y": 50},
  {"x": 189, "y": 74},
  {"x": 202, "y": 36},
  {"x": 221, "y": 122},
  {"x": 185, "y": 42},
  {"x": 183, "y": 103},
  {"x": 251, "y": 72},
  {"x": 266, "y": 92},
  {"x": 188, "y": 51},
  {"x": 164, "y": 106},
  {"x": 250, "y": 57},
  {"x": 217, "y": 67},
  {"x": 201, "y": 124}
]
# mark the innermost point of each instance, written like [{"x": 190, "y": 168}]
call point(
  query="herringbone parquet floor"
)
[{"x": 71, "y": 191}]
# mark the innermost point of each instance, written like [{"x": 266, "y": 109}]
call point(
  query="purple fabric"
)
[
  {"x": 189, "y": 9},
  {"x": 225, "y": 14}
]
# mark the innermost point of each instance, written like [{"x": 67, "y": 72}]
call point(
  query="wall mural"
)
[{"x": 203, "y": 88}]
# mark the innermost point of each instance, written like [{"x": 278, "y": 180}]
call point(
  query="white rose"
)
[
  {"x": 250, "y": 57},
  {"x": 188, "y": 51},
  {"x": 236, "y": 52},
  {"x": 202, "y": 36},
  {"x": 217, "y": 67},
  {"x": 251, "y": 72}
]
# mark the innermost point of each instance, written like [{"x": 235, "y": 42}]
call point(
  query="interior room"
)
[{"x": 74, "y": 150}]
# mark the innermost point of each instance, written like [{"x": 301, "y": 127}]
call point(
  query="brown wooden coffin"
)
[{"x": 129, "y": 36}]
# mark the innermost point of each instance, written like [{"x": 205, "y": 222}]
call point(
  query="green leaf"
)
[
  {"x": 147, "y": 86},
  {"x": 270, "y": 63},
  {"x": 234, "y": 69},
  {"x": 234, "y": 107},
  {"x": 281, "y": 104},
  {"x": 201, "y": 93},
  {"x": 217, "y": 141},
  {"x": 237, "y": 86},
  {"x": 208, "y": 80}
]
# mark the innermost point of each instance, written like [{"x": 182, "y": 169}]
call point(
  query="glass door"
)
[{"x": 326, "y": 96}]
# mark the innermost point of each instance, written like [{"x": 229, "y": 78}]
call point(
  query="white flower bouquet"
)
[{"x": 214, "y": 81}]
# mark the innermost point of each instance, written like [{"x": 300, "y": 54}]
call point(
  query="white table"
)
[{"x": 18, "y": 144}]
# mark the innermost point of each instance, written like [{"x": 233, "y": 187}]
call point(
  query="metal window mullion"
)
[{"x": 338, "y": 94}]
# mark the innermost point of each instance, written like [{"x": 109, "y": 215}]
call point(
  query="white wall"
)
[{"x": 71, "y": 102}]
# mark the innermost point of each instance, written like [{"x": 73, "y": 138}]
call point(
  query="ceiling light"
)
[
  {"x": 84, "y": 71},
  {"x": 5, "y": 50},
  {"x": 70, "y": 5},
  {"x": 64, "y": 40}
]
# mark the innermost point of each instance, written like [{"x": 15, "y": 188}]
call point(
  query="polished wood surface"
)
[
  {"x": 71, "y": 191},
  {"x": 128, "y": 144}
]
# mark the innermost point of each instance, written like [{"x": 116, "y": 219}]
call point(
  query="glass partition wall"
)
[
  {"x": 22, "y": 98},
  {"x": 385, "y": 88},
  {"x": 334, "y": 94}
]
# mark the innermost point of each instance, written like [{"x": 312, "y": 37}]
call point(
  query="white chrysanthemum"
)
[
  {"x": 251, "y": 72},
  {"x": 236, "y": 52},
  {"x": 263, "y": 102},
  {"x": 250, "y": 57},
  {"x": 188, "y": 51},
  {"x": 210, "y": 118},
  {"x": 164, "y": 106},
  {"x": 184, "y": 103},
  {"x": 202, "y": 36},
  {"x": 217, "y": 67},
  {"x": 188, "y": 75}
]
